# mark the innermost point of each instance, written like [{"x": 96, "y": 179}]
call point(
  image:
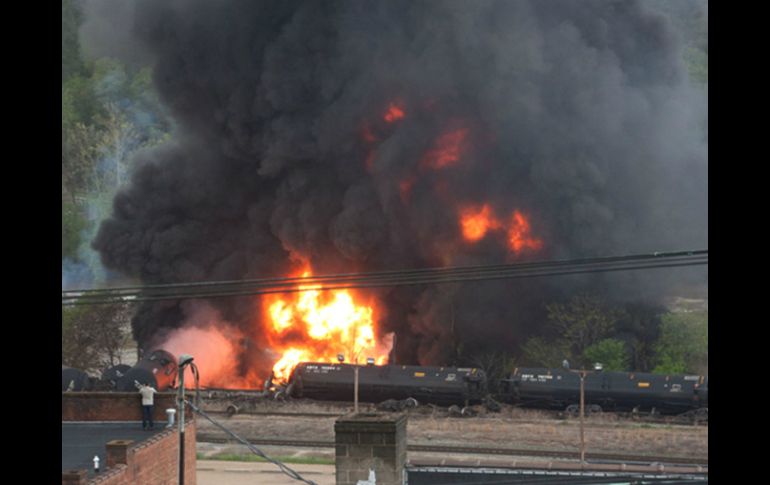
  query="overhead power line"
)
[{"x": 217, "y": 289}]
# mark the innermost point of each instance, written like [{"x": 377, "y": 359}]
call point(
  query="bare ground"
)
[{"x": 511, "y": 428}]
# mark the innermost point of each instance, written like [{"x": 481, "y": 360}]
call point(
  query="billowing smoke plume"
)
[{"x": 350, "y": 135}]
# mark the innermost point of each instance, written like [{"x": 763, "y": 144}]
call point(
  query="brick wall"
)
[
  {"x": 112, "y": 406},
  {"x": 370, "y": 442},
  {"x": 150, "y": 462}
]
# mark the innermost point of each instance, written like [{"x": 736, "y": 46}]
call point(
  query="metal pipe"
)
[
  {"x": 180, "y": 403},
  {"x": 184, "y": 359}
]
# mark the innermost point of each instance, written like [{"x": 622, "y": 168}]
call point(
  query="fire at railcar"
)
[{"x": 158, "y": 369}]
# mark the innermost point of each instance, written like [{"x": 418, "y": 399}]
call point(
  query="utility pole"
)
[
  {"x": 582, "y": 373},
  {"x": 184, "y": 361}
]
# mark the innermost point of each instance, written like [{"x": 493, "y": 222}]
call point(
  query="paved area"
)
[
  {"x": 80, "y": 441},
  {"x": 214, "y": 472}
]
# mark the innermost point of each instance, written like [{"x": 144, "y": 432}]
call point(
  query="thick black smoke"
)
[{"x": 579, "y": 114}]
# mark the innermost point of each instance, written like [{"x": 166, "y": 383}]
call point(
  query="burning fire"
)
[
  {"x": 216, "y": 354},
  {"x": 315, "y": 325},
  {"x": 395, "y": 112},
  {"x": 446, "y": 151},
  {"x": 476, "y": 222},
  {"x": 518, "y": 234}
]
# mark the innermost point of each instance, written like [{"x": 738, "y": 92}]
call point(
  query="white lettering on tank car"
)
[{"x": 536, "y": 378}]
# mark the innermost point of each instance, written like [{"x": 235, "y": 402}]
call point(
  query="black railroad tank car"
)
[
  {"x": 158, "y": 369},
  {"x": 436, "y": 385},
  {"x": 74, "y": 380},
  {"x": 112, "y": 375},
  {"x": 611, "y": 391}
]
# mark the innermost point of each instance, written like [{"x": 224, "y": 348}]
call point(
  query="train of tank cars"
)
[{"x": 399, "y": 386}]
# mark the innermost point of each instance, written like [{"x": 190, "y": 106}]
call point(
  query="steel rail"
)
[{"x": 679, "y": 460}]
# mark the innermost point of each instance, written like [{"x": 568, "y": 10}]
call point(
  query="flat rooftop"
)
[{"x": 81, "y": 441}]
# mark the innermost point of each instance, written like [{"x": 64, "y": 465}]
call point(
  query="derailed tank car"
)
[
  {"x": 158, "y": 369},
  {"x": 112, "y": 375},
  {"x": 436, "y": 385},
  {"x": 606, "y": 390},
  {"x": 74, "y": 380}
]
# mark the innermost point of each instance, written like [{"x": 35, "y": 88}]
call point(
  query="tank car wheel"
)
[
  {"x": 573, "y": 410},
  {"x": 468, "y": 412},
  {"x": 701, "y": 414},
  {"x": 411, "y": 402},
  {"x": 492, "y": 405},
  {"x": 232, "y": 409},
  {"x": 594, "y": 409}
]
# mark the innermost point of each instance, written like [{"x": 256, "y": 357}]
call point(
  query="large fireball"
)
[{"x": 316, "y": 325}]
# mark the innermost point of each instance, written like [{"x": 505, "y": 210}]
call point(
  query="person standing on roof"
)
[{"x": 148, "y": 393}]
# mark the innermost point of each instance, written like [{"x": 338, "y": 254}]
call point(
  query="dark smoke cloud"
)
[{"x": 578, "y": 113}]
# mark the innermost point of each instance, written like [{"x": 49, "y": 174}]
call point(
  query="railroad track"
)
[
  {"x": 622, "y": 418},
  {"x": 277, "y": 413},
  {"x": 215, "y": 438},
  {"x": 243, "y": 400}
]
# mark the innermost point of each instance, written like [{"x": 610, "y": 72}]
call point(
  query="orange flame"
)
[
  {"x": 446, "y": 151},
  {"x": 315, "y": 325},
  {"x": 216, "y": 354},
  {"x": 518, "y": 234},
  {"x": 475, "y": 222},
  {"x": 395, "y": 112}
]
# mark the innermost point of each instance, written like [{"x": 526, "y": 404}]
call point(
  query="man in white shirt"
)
[{"x": 147, "y": 392}]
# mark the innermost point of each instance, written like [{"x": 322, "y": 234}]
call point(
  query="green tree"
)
[
  {"x": 582, "y": 322},
  {"x": 71, "y": 18},
  {"x": 611, "y": 353},
  {"x": 73, "y": 223},
  {"x": 683, "y": 344},
  {"x": 496, "y": 365},
  {"x": 93, "y": 337},
  {"x": 81, "y": 147},
  {"x": 640, "y": 330},
  {"x": 539, "y": 352}
]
